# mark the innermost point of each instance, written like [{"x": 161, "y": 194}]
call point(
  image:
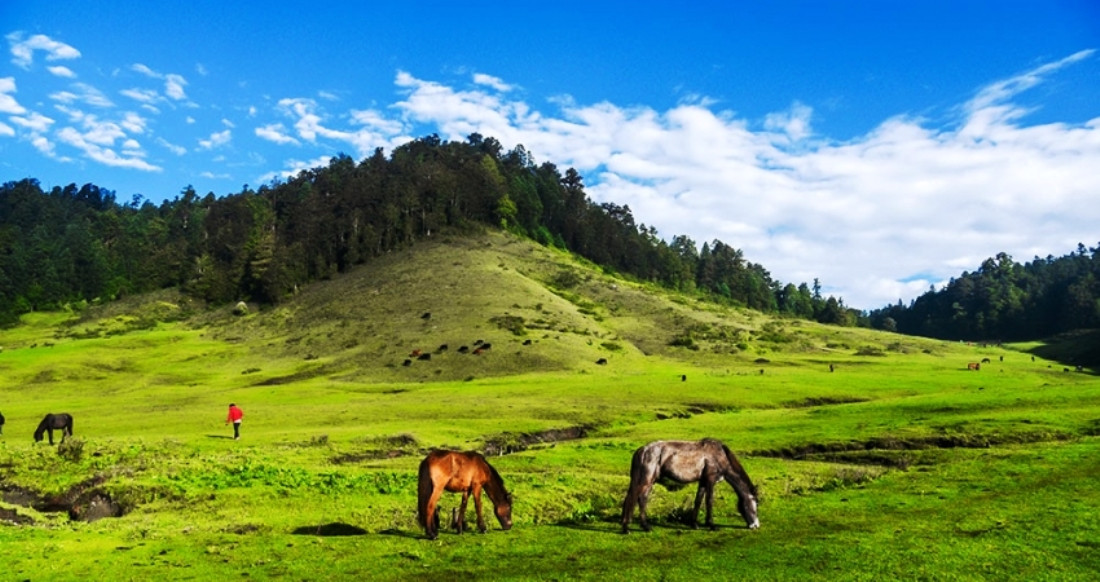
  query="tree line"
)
[
  {"x": 1004, "y": 300},
  {"x": 72, "y": 244}
]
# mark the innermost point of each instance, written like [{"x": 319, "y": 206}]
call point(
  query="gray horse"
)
[{"x": 707, "y": 461}]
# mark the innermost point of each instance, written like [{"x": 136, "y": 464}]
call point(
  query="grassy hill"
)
[{"x": 877, "y": 455}]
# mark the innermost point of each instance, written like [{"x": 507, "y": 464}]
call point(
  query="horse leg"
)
[
  {"x": 431, "y": 524},
  {"x": 698, "y": 502},
  {"x": 460, "y": 523},
  {"x": 477, "y": 507},
  {"x": 643, "y": 501},
  {"x": 710, "y": 506},
  {"x": 51, "y": 435}
]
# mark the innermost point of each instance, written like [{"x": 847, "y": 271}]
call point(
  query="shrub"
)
[{"x": 71, "y": 449}]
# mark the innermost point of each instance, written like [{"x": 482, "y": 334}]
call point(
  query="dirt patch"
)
[
  {"x": 822, "y": 401},
  {"x": 84, "y": 501},
  {"x": 856, "y": 451},
  {"x": 350, "y": 458},
  {"x": 13, "y": 516},
  {"x": 507, "y": 443}
]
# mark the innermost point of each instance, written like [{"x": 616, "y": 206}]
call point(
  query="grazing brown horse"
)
[
  {"x": 707, "y": 461},
  {"x": 457, "y": 472}
]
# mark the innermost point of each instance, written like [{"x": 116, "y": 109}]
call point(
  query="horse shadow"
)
[
  {"x": 334, "y": 529},
  {"x": 219, "y": 436},
  {"x": 402, "y": 534}
]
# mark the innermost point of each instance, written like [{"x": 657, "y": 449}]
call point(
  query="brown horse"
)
[
  {"x": 707, "y": 461},
  {"x": 465, "y": 473}
]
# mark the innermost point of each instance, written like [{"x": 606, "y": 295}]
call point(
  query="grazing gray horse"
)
[{"x": 707, "y": 461}]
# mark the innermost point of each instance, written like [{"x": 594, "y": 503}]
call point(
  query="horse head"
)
[
  {"x": 746, "y": 505},
  {"x": 503, "y": 511}
]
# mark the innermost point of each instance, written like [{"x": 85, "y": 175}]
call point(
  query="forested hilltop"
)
[
  {"x": 72, "y": 245},
  {"x": 1004, "y": 300}
]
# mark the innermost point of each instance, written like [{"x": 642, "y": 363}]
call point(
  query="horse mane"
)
[
  {"x": 496, "y": 482},
  {"x": 735, "y": 465},
  {"x": 42, "y": 427}
]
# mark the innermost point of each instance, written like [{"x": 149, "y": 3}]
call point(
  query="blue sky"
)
[{"x": 882, "y": 147}]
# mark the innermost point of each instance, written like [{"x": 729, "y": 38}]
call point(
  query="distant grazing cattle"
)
[
  {"x": 1065, "y": 369},
  {"x": 407, "y": 363},
  {"x": 973, "y": 366},
  {"x": 1, "y": 424},
  {"x": 442, "y": 348},
  {"x": 683, "y": 378},
  {"x": 424, "y": 357},
  {"x": 477, "y": 342},
  {"x": 477, "y": 352},
  {"x": 463, "y": 349},
  {"x": 985, "y": 360},
  {"x": 602, "y": 361},
  {"x": 427, "y": 315},
  {"x": 414, "y": 353},
  {"x": 761, "y": 371},
  {"x": 527, "y": 342},
  {"x": 1002, "y": 358},
  {"x": 832, "y": 368},
  {"x": 486, "y": 346}
]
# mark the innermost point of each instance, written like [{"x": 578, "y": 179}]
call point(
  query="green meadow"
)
[{"x": 877, "y": 456}]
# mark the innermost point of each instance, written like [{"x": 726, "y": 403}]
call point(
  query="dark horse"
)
[
  {"x": 465, "y": 473},
  {"x": 52, "y": 422},
  {"x": 707, "y": 461}
]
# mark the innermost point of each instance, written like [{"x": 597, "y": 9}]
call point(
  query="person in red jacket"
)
[{"x": 235, "y": 416}]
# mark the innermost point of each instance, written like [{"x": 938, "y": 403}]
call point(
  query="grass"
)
[{"x": 897, "y": 465}]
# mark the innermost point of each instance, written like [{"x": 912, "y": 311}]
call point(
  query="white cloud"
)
[
  {"x": 175, "y": 149},
  {"x": 311, "y": 125},
  {"x": 877, "y": 218},
  {"x": 23, "y": 50},
  {"x": 173, "y": 83},
  {"x": 228, "y": 123},
  {"x": 85, "y": 94},
  {"x": 6, "y": 130},
  {"x": 61, "y": 71},
  {"x": 8, "y": 104},
  {"x": 97, "y": 144},
  {"x": 276, "y": 133},
  {"x": 491, "y": 81},
  {"x": 216, "y": 139},
  {"x": 35, "y": 122},
  {"x": 213, "y": 176},
  {"x": 293, "y": 168},
  {"x": 147, "y": 96}
]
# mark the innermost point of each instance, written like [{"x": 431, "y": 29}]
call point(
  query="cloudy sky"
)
[{"x": 881, "y": 147}]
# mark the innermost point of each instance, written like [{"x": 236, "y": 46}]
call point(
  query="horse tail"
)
[
  {"x": 69, "y": 418},
  {"x": 424, "y": 489},
  {"x": 637, "y": 477}
]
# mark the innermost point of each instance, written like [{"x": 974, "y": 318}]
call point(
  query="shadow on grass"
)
[
  {"x": 412, "y": 535},
  {"x": 219, "y": 436},
  {"x": 330, "y": 530}
]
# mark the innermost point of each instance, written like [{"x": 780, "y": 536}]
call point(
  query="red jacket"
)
[{"x": 235, "y": 414}]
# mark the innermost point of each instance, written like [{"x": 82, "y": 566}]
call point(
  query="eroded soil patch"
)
[
  {"x": 507, "y": 443},
  {"x": 84, "y": 501},
  {"x": 822, "y": 401},
  {"x": 880, "y": 450}
]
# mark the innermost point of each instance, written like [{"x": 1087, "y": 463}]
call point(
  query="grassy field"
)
[{"x": 900, "y": 464}]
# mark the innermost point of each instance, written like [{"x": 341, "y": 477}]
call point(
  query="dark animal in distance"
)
[
  {"x": 985, "y": 360},
  {"x": 407, "y": 363},
  {"x": 973, "y": 366},
  {"x": 477, "y": 342},
  {"x": 442, "y": 348},
  {"x": 526, "y": 342},
  {"x": 427, "y": 315},
  {"x": 414, "y": 353},
  {"x": 52, "y": 422},
  {"x": 463, "y": 349},
  {"x": 424, "y": 357},
  {"x": 466, "y": 473},
  {"x": 1, "y": 424},
  {"x": 601, "y": 361},
  {"x": 486, "y": 346},
  {"x": 707, "y": 461}
]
